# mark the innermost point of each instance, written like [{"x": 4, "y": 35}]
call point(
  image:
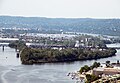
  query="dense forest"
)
[
  {"x": 37, "y": 55},
  {"x": 52, "y": 25}
]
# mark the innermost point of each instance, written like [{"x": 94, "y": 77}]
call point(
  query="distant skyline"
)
[{"x": 61, "y": 8}]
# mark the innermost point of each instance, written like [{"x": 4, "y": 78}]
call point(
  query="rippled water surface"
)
[{"x": 12, "y": 71}]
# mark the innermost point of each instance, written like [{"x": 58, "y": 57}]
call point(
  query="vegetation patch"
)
[{"x": 44, "y": 55}]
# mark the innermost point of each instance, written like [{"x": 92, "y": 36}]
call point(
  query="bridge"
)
[
  {"x": 115, "y": 46},
  {"x": 8, "y": 39},
  {"x": 38, "y": 45},
  {"x": 41, "y": 45},
  {"x": 4, "y": 42}
]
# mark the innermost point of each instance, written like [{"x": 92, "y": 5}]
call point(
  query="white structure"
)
[
  {"x": 9, "y": 39},
  {"x": 77, "y": 44}
]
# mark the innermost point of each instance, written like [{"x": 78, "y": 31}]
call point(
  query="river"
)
[{"x": 12, "y": 71}]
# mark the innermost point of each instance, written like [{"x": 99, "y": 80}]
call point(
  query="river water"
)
[{"x": 12, "y": 71}]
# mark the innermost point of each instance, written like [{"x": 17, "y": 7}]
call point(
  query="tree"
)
[
  {"x": 95, "y": 65},
  {"x": 91, "y": 78},
  {"x": 84, "y": 69},
  {"x": 107, "y": 63}
]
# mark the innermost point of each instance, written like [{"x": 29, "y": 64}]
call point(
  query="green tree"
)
[
  {"x": 95, "y": 65},
  {"x": 91, "y": 78}
]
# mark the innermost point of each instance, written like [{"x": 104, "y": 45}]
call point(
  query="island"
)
[{"x": 30, "y": 55}]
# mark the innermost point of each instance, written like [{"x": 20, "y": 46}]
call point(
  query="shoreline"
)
[{"x": 72, "y": 61}]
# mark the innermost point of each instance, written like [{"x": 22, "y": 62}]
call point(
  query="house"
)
[{"x": 106, "y": 71}]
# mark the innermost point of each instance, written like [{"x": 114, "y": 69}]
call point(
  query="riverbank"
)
[
  {"x": 97, "y": 73},
  {"x": 36, "y": 55}
]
